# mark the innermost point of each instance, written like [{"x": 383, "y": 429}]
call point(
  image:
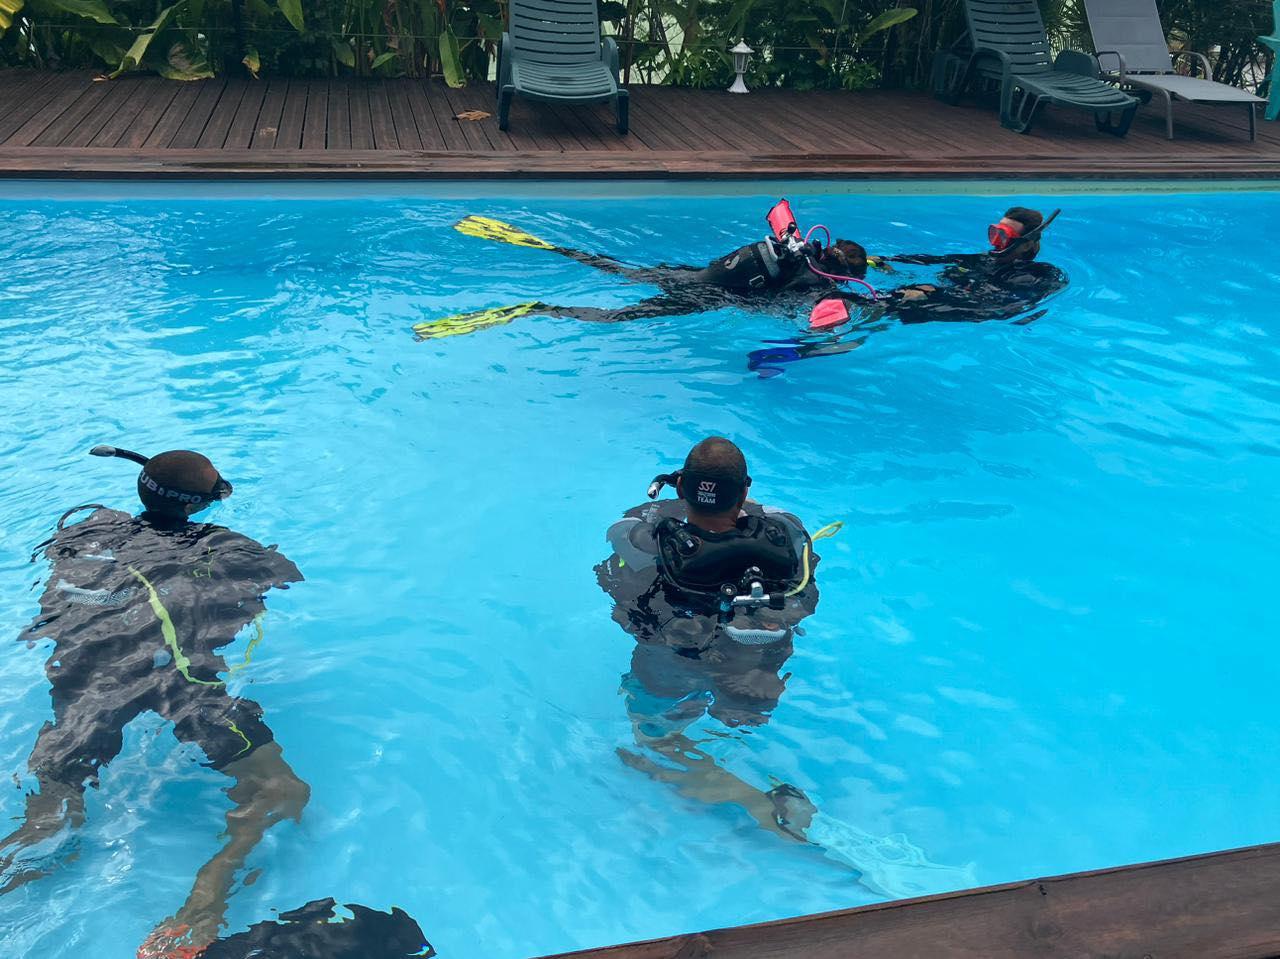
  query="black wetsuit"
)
[
  {"x": 315, "y": 931},
  {"x": 973, "y": 288},
  {"x": 685, "y": 663},
  {"x": 762, "y": 270},
  {"x": 137, "y": 610}
]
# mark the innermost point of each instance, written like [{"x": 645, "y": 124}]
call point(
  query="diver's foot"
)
[
  {"x": 471, "y": 322},
  {"x": 174, "y": 940},
  {"x": 793, "y": 811},
  {"x": 768, "y": 362}
]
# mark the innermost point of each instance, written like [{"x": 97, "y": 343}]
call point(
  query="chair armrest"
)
[
  {"x": 609, "y": 53},
  {"x": 1111, "y": 53},
  {"x": 1073, "y": 61},
  {"x": 1204, "y": 61},
  {"x": 505, "y": 50},
  {"x": 984, "y": 53}
]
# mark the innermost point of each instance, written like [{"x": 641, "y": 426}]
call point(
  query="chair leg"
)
[
  {"x": 1021, "y": 119},
  {"x": 623, "y": 107},
  {"x": 504, "y": 105},
  {"x": 1253, "y": 122},
  {"x": 1168, "y": 114},
  {"x": 1273, "y": 103}
]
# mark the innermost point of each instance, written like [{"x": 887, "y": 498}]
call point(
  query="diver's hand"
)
[
  {"x": 918, "y": 292},
  {"x": 175, "y": 940}
]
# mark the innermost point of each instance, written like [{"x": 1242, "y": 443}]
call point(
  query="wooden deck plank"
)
[
  {"x": 192, "y": 127},
  {"x": 315, "y": 124},
  {"x": 65, "y": 124},
  {"x": 266, "y": 132},
  {"x": 338, "y": 129},
  {"x": 215, "y": 133},
  {"x": 168, "y": 116},
  {"x": 474, "y": 133},
  {"x": 437, "y": 103},
  {"x": 244, "y": 124},
  {"x": 82, "y": 124},
  {"x": 385, "y": 133},
  {"x": 1217, "y": 906},
  {"x": 109, "y": 134},
  {"x": 362, "y": 137},
  {"x": 292, "y": 116},
  {"x": 43, "y": 108},
  {"x": 403, "y": 115},
  {"x": 428, "y": 127}
]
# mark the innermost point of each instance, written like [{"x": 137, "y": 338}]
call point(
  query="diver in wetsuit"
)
[
  {"x": 779, "y": 266},
  {"x": 1005, "y": 283},
  {"x": 711, "y": 587},
  {"x": 137, "y": 609}
]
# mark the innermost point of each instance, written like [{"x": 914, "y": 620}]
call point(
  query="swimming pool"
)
[{"x": 1045, "y": 636}]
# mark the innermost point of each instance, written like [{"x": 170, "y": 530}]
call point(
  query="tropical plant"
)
[{"x": 799, "y": 44}]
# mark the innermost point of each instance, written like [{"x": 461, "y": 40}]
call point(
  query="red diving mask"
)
[{"x": 1001, "y": 236}]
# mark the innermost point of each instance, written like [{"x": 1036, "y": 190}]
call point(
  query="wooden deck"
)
[
  {"x": 68, "y": 125},
  {"x": 1220, "y": 906}
]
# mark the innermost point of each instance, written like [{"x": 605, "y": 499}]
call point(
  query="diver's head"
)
[
  {"x": 845, "y": 258},
  {"x": 175, "y": 484},
  {"x": 714, "y": 484},
  {"x": 1017, "y": 235}
]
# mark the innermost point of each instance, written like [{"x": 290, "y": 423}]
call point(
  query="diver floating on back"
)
[{"x": 781, "y": 266}]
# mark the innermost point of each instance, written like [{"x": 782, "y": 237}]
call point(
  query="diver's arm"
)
[
  {"x": 932, "y": 259},
  {"x": 700, "y": 778}
]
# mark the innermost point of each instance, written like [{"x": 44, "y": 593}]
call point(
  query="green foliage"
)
[{"x": 799, "y": 44}]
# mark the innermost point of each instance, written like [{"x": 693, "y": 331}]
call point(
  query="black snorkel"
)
[
  {"x": 664, "y": 479},
  {"x": 116, "y": 451},
  {"x": 177, "y": 496}
]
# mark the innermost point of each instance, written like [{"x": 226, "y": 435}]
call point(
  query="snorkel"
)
[
  {"x": 785, "y": 231},
  {"x": 164, "y": 495},
  {"x": 1004, "y": 241}
]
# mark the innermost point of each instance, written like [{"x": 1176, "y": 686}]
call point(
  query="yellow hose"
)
[{"x": 825, "y": 533}]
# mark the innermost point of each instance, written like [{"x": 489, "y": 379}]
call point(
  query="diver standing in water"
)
[
  {"x": 1006, "y": 282},
  {"x": 137, "y": 609},
  {"x": 778, "y": 267},
  {"x": 711, "y": 587}
]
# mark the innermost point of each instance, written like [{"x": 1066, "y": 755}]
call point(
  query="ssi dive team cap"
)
[{"x": 176, "y": 481}]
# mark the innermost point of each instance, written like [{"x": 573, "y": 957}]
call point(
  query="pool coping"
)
[
  {"x": 115, "y": 190},
  {"x": 1220, "y": 905}
]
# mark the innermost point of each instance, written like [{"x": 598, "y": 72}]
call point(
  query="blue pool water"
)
[{"x": 1046, "y": 639}]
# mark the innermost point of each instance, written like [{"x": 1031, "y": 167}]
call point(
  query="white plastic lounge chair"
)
[{"x": 1134, "y": 51}]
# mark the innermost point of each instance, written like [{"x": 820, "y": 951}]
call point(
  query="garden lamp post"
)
[{"x": 741, "y": 57}]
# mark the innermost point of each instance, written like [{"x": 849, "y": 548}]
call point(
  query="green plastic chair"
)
[
  {"x": 1273, "y": 82},
  {"x": 1006, "y": 44},
  {"x": 553, "y": 52}
]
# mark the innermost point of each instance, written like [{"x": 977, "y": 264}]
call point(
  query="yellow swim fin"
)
[
  {"x": 487, "y": 229},
  {"x": 470, "y": 322}
]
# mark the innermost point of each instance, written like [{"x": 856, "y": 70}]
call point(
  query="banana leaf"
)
[
  {"x": 182, "y": 64},
  {"x": 292, "y": 10},
  {"x": 138, "y": 52},
  {"x": 886, "y": 21},
  {"x": 8, "y": 10},
  {"x": 342, "y": 50},
  {"x": 94, "y": 10},
  {"x": 451, "y": 60}
]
